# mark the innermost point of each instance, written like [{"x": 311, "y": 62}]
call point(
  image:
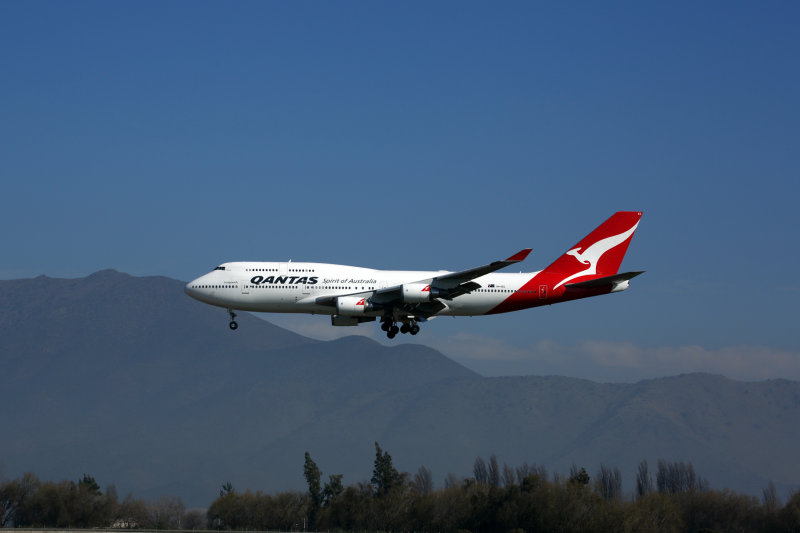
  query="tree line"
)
[
  {"x": 507, "y": 499},
  {"x": 494, "y": 499},
  {"x": 29, "y": 502}
]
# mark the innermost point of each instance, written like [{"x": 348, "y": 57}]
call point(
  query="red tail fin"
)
[{"x": 598, "y": 254}]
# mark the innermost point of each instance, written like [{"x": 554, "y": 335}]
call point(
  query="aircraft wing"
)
[
  {"x": 450, "y": 285},
  {"x": 454, "y": 279}
]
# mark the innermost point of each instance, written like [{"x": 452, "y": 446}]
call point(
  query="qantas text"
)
[{"x": 284, "y": 280}]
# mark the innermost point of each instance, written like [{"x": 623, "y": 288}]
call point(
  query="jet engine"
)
[
  {"x": 351, "y": 305},
  {"x": 416, "y": 293}
]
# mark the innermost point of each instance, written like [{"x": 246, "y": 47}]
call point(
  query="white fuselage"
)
[{"x": 295, "y": 287}]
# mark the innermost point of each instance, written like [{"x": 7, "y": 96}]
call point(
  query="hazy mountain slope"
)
[
  {"x": 129, "y": 380},
  {"x": 738, "y": 435}
]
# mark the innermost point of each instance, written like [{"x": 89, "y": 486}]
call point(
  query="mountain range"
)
[{"x": 128, "y": 380}]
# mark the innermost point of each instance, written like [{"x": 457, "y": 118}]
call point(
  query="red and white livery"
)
[{"x": 401, "y": 299}]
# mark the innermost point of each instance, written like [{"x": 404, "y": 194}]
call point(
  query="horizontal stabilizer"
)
[{"x": 604, "y": 281}]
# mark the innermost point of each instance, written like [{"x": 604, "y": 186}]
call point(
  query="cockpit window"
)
[{"x": 220, "y": 268}]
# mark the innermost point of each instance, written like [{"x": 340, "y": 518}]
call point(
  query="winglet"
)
[{"x": 519, "y": 256}]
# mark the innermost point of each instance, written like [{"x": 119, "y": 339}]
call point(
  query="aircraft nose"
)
[{"x": 190, "y": 290}]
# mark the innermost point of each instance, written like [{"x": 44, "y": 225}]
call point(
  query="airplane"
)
[{"x": 353, "y": 295}]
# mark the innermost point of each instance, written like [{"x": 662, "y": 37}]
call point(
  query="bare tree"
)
[
  {"x": 526, "y": 470},
  {"x": 423, "y": 480},
  {"x": 167, "y": 513},
  {"x": 509, "y": 476},
  {"x": 494, "y": 471},
  {"x": 451, "y": 481},
  {"x": 608, "y": 483},
  {"x": 523, "y": 471},
  {"x": 672, "y": 478},
  {"x": 479, "y": 470},
  {"x": 132, "y": 513},
  {"x": 14, "y": 496},
  {"x": 771, "y": 500},
  {"x": 7, "y": 504},
  {"x": 644, "y": 481}
]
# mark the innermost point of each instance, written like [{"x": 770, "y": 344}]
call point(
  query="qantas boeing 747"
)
[{"x": 352, "y": 295}]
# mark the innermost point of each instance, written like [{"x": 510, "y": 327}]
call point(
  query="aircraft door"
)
[
  {"x": 542, "y": 292},
  {"x": 283, "y": 271},
  {"x": 290, "y": 293},
  {"x": 305, "y": 288}
]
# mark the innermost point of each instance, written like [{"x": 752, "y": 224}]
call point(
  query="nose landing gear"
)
[{"x": 233, "y": 325}]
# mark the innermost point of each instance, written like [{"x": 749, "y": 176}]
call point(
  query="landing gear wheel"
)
[
  {"x": 405, "y": 328},
  {"x": 386, "y": 325},
  {"x": 391, "y": 334},
  {"x": 233, "y": 325},
  {"x": 414, "y": 329}
]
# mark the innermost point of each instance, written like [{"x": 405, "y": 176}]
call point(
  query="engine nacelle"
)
[
  {"x": 351, "y": 305},
  {"x": 416, "y": 293}
]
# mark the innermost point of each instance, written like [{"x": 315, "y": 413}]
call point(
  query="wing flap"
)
[{"x": 464, "y": 288}]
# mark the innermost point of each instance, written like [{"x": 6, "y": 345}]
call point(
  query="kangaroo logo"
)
[{"x": 591, "y": 255}]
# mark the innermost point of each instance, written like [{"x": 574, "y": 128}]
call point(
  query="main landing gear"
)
[
  {"x": 233, "y": 324},
  {"x": 390, "y": 327}
]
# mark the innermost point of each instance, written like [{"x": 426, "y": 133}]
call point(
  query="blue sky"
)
[{"x": 165, "y": 138}]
